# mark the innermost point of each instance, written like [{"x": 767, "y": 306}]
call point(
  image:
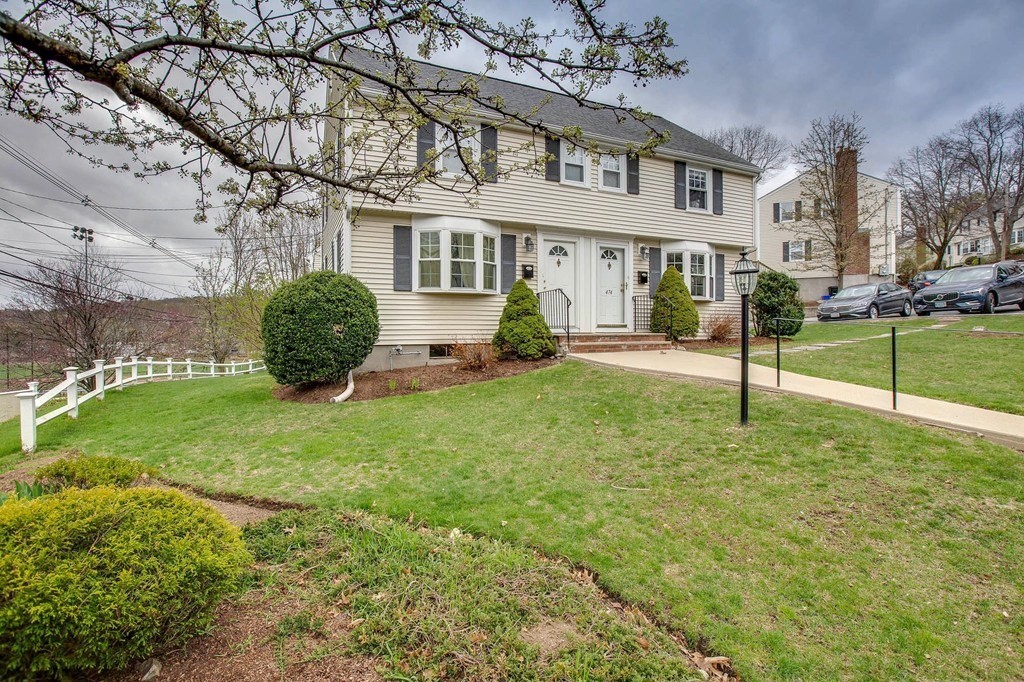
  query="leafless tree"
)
[
  {"x": 936, "y": 194},
  {"x": 84, "y": 310},
  {"x": 838, "y": 205},
  {"x": 186, "y": 87},
  {"x": 991, "y": 145},
  {"x": 755, "y": 143},
  {"x": 213, "y": 287}
]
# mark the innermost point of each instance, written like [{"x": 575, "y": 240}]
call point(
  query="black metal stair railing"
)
[
  {"x": 554, "y": 306},
  {"x": 643, "y": 304}
]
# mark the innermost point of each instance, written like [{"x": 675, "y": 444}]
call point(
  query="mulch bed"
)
[{"x": 373, "y": 385}]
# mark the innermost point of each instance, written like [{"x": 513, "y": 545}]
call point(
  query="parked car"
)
[
  {"x": 867, "y": 301},
  {"x": 924, "y": 279},
  {"x": 979, "y": 288}
]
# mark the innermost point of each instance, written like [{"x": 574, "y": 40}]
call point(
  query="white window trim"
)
[
  {"x": 686, "y": 248},
  {"x": 803, "y": 251},
  {"x": 563, "y": 158},
  {"x": 621, "y": 189},
  {"x": 446, "y": 226},
  {"x": 439, "y": 150},
  {"x": 781, "y": 212},
  {"x": 708, "y": 178}
]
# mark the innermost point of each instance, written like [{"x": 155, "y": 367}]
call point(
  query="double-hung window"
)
[
  {"x": 694, "y": 262},
  {"x": 1017, "y": 237},
  {"x": 787, "y": 211},
  {"x": 612, "y": 167},
  {"x": 574, "y": 164},
  {"x": 449, "y": 161},
  {"x": 456, "y": 254},
  {"x": 697, "y": 188}
]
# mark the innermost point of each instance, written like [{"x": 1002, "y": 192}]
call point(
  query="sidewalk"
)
[{"x": 1001, "y": 427}]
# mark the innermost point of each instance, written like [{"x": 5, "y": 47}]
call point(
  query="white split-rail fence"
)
[{"x": 96, "y": 382}]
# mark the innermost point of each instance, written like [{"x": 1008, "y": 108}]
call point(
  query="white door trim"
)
[
  {"x": 544, "y": 240},
  {"x": 600, "y": 243}
]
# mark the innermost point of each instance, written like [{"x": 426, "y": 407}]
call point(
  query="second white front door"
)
[
  {"x": 611, "y": 287},
  {"x": 560, "y": 272}
]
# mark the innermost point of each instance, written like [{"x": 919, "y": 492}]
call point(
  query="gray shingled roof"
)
[{"x": 561, "y": 110}]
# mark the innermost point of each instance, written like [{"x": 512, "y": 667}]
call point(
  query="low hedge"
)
[
  {"x": 79, "y": 471},
  {"x": 91, "y": 580}
]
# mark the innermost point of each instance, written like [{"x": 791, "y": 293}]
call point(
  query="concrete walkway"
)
[{"x": 1001, "y": 427}]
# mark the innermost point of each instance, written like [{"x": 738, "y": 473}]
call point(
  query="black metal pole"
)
[
  {"x": 32, "y": 356},
  {"x": 894, "y": 368},
  {"x": 778, "y": 355},
  {"x": 745, "y": 361},
  {"x": 7, "y": 357}
]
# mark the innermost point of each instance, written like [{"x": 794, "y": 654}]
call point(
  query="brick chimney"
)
[{"x": 858, "y": 258}]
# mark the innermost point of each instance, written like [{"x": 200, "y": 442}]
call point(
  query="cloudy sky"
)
[{"x": 910, "y": 68}]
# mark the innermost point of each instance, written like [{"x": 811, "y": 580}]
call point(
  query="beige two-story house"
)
[
  {"x": 591, "y": 233},
  {"x": 790, "y": 245}
]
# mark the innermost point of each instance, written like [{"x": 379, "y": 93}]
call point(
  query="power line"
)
[{"x": 111, "y": 208}]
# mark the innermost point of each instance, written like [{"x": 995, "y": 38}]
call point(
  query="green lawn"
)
[
  {"x": 950, "y": 364},
  {"x": 823, "y": 543}
]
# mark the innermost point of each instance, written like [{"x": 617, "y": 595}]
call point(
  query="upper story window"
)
[
  {"x": 787, "y": 211},
  {"x": 449, "y": 161},
  {"x": 697, "y": 182},
  {"x": 1017, "y": 237},
  {"x": 574, "y": 164},
  {"x": 612, "y": 169},
  {"x": 455, "y": 254}
]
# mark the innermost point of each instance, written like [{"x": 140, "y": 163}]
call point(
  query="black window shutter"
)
[
  {"x": 424, "y": 143},
  {"x": 798, "y": 210},
  {"x": 717, "y": 193},
  {"x": 807, "y": 250},
  {"x": 719, "y": 276},
  {"x": 775, "y": 212},
  {"x": 489, "y": 152},
  {"x": 553, "y": 168},
  {"x": 403, "y": 258},
  {"x": 785, "y": 251},
  {"x": 633, "y": 174},
  {"x": 655, "y": 279},
  {"x": 817, "y": 208},
  {"x": 508, "y": 262},
  {"x": 681, "y": 185}
]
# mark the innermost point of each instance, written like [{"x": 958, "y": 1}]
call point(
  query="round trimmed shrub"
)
[
  {"x": 318, "y": 328},
  {"x": 676, "y": 317},
  {"x": 80, "y": 471},
  {"x": 777, "y": 295},
  {"x": 522, "y": 332},
  {"x": 91, "y": 580}
]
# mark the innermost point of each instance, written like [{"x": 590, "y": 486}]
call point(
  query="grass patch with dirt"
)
[{"x": 822, "y": 543}]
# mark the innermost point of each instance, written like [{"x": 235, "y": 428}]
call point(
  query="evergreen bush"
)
[
  {"x": 91, "y": 580},
  {"x": 522, "y": 332},
  {"x": 675, "y": 317},
  {"x": 80, "y": 471},
  {"x": 777, "y": 295},
  {"x": 318, "y": 328}
]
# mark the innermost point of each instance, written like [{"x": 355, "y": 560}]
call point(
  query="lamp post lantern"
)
[{"x": 744, "y": 279}]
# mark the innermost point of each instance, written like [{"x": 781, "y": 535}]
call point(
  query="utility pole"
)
[{"x": 83, "y": 234}]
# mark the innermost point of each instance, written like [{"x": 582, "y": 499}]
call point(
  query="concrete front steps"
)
[{"x": 612, "y": 343}]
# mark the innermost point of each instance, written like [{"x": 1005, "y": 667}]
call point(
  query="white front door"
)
[
  {"x": 560, "y": 272},
  {"x": 611, "y": 287}
]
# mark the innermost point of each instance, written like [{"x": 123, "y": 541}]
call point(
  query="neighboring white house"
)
[
  {"x": 601, "y": 229},
  {"x": 974, "y": 239},
  {"x": 786, "y": 244}
]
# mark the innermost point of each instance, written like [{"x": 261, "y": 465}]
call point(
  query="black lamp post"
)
[{"x": 744, "y": 279}]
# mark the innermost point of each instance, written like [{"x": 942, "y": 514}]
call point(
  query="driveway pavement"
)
[{"x": 1001, "y": 427}]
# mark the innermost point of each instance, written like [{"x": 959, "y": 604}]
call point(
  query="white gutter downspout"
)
[
  {"x": 757, "y": 220},
  {"x": 348, "y": 390}
]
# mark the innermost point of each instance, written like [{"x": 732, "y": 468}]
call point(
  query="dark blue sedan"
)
[{"x": 981, "y": 288}]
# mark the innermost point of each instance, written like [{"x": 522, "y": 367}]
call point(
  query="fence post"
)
[
  {"x": 894, "y": 368},
  {"x": 170, "y": 368},
  {"x": 119, "y": 372},
  {"x": 149, "y": 368},
  {"x": 71, "y": 373},
  {"x": 28, "y": 416},
  {"x": 232, "y": 368},
  {"x": 135, "y": 368},
  {"x": 188, "y": 367},
  {"x": 213, "y": 367},
  {"x": 100, "y": 378},
  {"x": 251, "y": 363}
]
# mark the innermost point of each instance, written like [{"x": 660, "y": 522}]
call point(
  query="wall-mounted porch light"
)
[
  {"x": 645, "y": 253},
  {"x": 528, "y": 243}
]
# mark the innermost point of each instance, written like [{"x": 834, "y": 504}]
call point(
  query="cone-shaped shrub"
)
[
  {"x": 522, "y": 331},
  {"x": 678, "y": 320},
  {"x": 319, "y": 327},
  {"x": 777, "y": 295}
]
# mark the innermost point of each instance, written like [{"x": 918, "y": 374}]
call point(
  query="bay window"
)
[
  {"x": 455, "y": 254},
  {"x": 694, "y": 261}
]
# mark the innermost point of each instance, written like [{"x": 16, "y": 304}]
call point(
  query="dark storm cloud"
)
[{"x": 910, "y": 68}]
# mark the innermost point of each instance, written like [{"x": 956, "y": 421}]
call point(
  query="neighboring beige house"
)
[
  {"x": 600, "y": 230},
  {"x": 787, "y": 245}
]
